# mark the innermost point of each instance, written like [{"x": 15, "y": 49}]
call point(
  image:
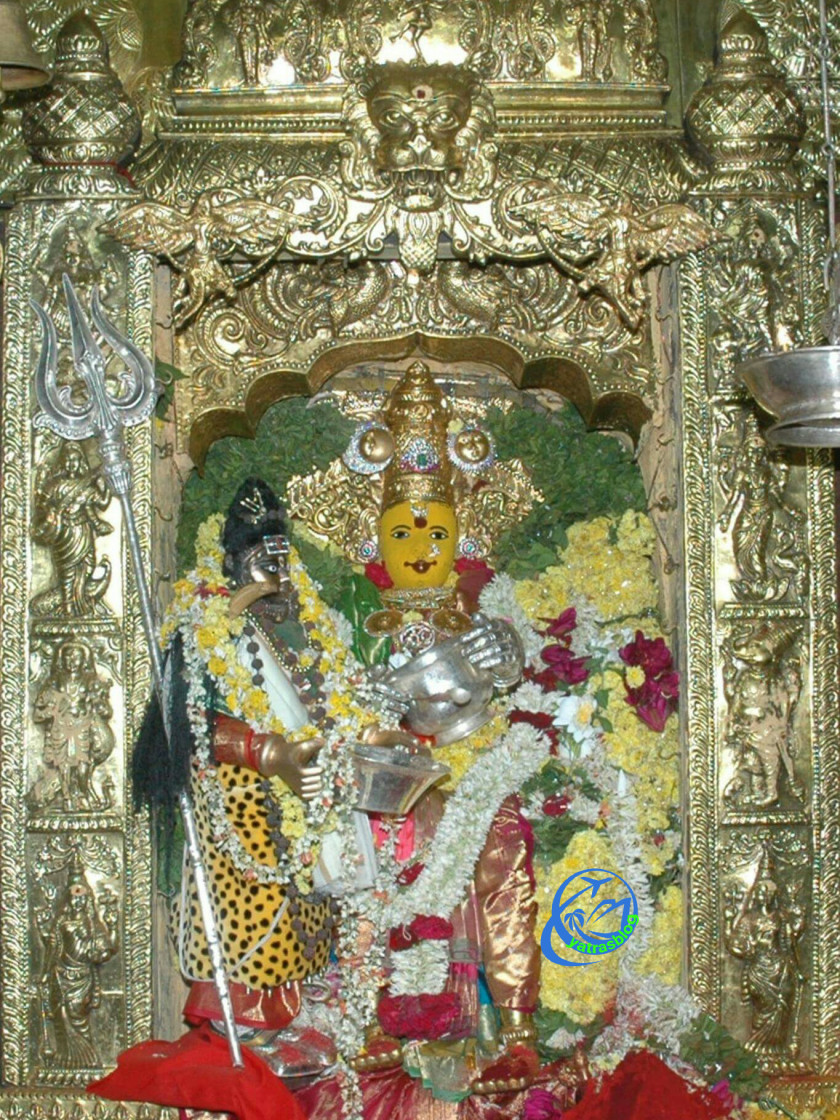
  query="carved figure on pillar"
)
[
  {"x": 250, "y": 22},
  {"x": 70, "y": 497},
  {"x": 591, "y": 18},
  {"x": 74, "y": 710},
  {"x": 764, "y": 526},
  {"x": 641, "y": 33},
  {"x": 762, "y": 683},
  {"x": 78, "y": 940},
  {"x": 762, "y": 929}
]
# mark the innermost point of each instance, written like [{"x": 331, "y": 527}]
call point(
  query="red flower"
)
[
  {"x": 561, "y": 626},
  {"x": 428, "y": 928},
  {"x": 409, "y": 873},
  {"x": 423, "y": 928},
  {"x": 468, "y": 564},
  {"x": 473, "y": 577},
  {"x": 205, "y": 592},
  {"x": 421, "y": 1016},
  {"x": 565, "y": 666},
  {"x": 656, "y": 698},
  {"x": 652, "y": 654},
  {"x": 378, "y": 575},
  {"x": 541, "y": 720},
  {"x": 556, "y": 805},
  {"x": 400, "y": 938}
]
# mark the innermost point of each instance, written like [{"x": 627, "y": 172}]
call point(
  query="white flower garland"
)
[
  {"x": 462, "y": 831},
  {"x": 422, "y": 968},
  {"x": 498, "y": 600}
]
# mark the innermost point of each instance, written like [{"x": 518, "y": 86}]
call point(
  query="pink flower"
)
[
  {"x": 541, "y": 1105},
  {"x": 561, "y": 626},
  {"x": 722, "y": 1091},
  {"x": 565, "y": 666}
]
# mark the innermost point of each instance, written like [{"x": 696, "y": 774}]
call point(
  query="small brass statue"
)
[
  {"x": 70, "y": 497},
  {"x": 74, "y": 710}
]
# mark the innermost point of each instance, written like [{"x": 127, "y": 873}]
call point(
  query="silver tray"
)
[{"x": 392, "y": 780}]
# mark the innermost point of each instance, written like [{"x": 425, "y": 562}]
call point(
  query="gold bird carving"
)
[
  {"x": 220, "y": 227},
  {"x": 606, "y": 248}
]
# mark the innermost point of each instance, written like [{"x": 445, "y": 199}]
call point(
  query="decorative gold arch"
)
[{"x": 558, "y": 373}]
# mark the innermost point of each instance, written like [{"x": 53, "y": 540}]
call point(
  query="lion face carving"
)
[{"x": 419, "y": 128}]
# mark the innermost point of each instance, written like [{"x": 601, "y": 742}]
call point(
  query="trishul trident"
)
[{"x": 103, "y": 415}]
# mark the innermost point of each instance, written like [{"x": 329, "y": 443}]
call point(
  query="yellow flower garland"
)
[{"x": 607, "y": 562}]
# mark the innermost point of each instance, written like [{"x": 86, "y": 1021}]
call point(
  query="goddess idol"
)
[{"x": 434, "y": 497}]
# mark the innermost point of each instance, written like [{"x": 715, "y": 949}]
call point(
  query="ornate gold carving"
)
[
  {"x": 73, "y": 709},
  {"x": 78, "y": 933},
  {"x": 238, "y": 44},
  {"x": 764, "y": 916},
  {"x": 762, "y": 683},
  {"x": 70, "y": 498},
  {"x": 604, "y": 248},
  {"x": 85, "y": 117},
  {"x": 746, "y": 118},
  {"x": 766, "y": 527},
  {"x": 641, "y": 37},
  {"x": 594, "y": 44},
  {"x": 56, "y": 712},
  {"x": 753, "y": 283},
  {"x": 219, "y": 226},
  {"x": 419, "y": 164}
]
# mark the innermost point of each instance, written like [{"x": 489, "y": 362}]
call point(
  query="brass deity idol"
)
[
  {"x": 77, "y": 941},
  {"x": 762, "y": 683},
  {"x": 763, "y": 929},
  {"x": 440, "y": 662},
  {"x": 70, "y": 497},
  {"x": 74, "y": 710}
]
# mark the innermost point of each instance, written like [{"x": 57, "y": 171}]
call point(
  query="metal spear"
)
[{"x": 104, "y": 414}]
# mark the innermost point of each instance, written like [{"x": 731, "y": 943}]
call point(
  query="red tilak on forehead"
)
[{"x": 420, "y": 522}]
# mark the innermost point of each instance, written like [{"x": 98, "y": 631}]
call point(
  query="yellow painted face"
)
[{"x": 417, "y": 541}]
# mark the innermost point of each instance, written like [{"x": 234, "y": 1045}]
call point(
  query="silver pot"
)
[
  {"x": 449, "y": 695},
  {"x": 391, "y": 779}
]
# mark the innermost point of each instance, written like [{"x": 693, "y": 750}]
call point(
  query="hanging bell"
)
[{"x": 20, "y": 66}]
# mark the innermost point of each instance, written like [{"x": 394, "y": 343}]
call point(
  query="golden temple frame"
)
[{"x": 748, "y": 564}]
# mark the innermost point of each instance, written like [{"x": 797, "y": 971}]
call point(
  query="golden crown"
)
[{"x": 408, "y": 453}]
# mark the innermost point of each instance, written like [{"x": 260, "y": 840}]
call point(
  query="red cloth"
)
[
  {"x": 642, "y": 1087},
  {"x": 196, "y": 1072},
  {"x": 423, "y": 1016}
]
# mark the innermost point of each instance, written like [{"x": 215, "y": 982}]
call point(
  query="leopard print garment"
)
[{"x": 258, "y": 951}]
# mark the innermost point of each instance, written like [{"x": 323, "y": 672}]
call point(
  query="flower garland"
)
[
  {"x": 199, "y": 612},
  {"x": 605, "y": 679},
  {"x": 603, "y": 686}
]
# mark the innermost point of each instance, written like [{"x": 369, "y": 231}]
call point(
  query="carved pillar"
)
[
  {"x": 74, "y": 860},
  {"x": 760, "y": 595}
]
